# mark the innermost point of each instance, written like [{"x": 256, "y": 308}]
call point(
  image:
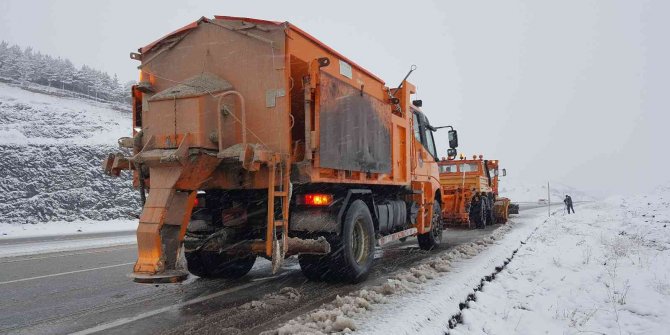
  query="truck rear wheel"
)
[
  {"x": 211, "y": 264},
  {"x": 433, "y": 238},
  {"x": 353, "y": 251},
  {"x": 490, "y": 220}
]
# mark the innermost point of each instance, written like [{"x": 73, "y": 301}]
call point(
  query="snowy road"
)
[{"x": 88, "y": 291}]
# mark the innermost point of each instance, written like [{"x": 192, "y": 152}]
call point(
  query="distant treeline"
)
[{"x": 23, "y": 66}]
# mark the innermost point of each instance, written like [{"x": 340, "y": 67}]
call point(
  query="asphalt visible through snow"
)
[{"x": 88, "y": 291}]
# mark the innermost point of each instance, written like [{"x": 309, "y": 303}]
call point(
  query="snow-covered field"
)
[
  {"x": 605, "y": 270},
  {"x": 519, "y": 190}
]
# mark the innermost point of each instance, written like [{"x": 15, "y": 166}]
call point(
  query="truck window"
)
[
  {"x": 417, "y": 128},
  {"x": 448, "y": 168},
  {"x": 469, "y": 167},
  {"x": 430, "y": 144}
]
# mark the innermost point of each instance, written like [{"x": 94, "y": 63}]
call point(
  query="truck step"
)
[{"x": 396, "y": 236}]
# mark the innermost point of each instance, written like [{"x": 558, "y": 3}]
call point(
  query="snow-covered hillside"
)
[
  {"x": 52, "y": 148},
  {"x": 524, "y": 191}
]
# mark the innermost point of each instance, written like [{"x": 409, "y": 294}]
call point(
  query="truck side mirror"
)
[
  {"x": 453, "y": 139},
  {"x": 451, "y": 153},
  {"x": 504, "y": 172}
]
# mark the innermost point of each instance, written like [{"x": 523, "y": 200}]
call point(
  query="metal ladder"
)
[{"x": 276, "y": 249}]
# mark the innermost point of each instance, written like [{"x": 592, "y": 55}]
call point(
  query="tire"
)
[
  {"x": 211, "y": 264},
  {"x": 353, "y": 250},
  {"x": 477, "y": 215},
  {"x": 432, "y": 239},
  {"x": 490, "y": 219}
]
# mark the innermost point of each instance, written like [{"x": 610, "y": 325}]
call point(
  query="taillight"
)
[{"x": 317, "y": 199}]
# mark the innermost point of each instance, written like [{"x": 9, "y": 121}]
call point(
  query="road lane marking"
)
[
  {"x": 63, "y": 254},
  {"x": 124, "y": 321},
  {"x": 64, "y": 273}
]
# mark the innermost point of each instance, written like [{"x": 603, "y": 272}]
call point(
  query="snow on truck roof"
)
[{"x": 196, "y": 23}]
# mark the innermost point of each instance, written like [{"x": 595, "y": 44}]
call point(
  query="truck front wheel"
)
[
  {"x": 477, "y": 215},
  {"x": 433, "y": 238}
]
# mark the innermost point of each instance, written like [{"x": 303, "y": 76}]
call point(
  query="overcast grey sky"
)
[{"x": 573, "y": 91}]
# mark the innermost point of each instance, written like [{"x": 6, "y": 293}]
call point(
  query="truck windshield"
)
[{"x": 469, "y": 167}]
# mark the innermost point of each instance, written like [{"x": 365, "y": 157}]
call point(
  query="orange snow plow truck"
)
[
  {"x": 252, "y": 138},
  {"x": 470, "y": 192}
]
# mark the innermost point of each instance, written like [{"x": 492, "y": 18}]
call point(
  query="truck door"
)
[{"x": 423, "y": 134}]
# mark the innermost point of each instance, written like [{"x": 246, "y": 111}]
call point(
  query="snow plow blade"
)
[
  {"x": 501, "y": 210},
  {"x": 513, "y": 208}
]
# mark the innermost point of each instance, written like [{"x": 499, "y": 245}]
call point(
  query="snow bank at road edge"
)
[
  {"x": 368, "y": 309},
  {"x": 62, "y": 228}
]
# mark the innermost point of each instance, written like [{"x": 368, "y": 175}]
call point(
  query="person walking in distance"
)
[{"x": 568, "y": 204}]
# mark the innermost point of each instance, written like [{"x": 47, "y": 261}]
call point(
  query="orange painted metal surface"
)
[
  {"x": 460, "y": 179},
  {"x": 236, "y": 104}
]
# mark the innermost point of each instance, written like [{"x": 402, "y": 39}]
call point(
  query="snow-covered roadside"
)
[
  {"x": 605, "y": 270},
  {"x": 429, "y": 310},
  {"x": 422, "y": 299},
  {"x": 43, "y": 247},
  {"x": 34, "y": 239},
  {"x": 64, "y": 228}
]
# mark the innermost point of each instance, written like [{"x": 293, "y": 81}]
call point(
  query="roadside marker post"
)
[{"x": 549, "y": 198}]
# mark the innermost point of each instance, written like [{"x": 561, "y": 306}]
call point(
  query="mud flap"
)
[
  {"x": 278, "y": 255},
  {"x": 163, "y": 223}
]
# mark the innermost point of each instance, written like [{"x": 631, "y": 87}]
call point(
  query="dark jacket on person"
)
[{"x": 568, "y": 201}]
